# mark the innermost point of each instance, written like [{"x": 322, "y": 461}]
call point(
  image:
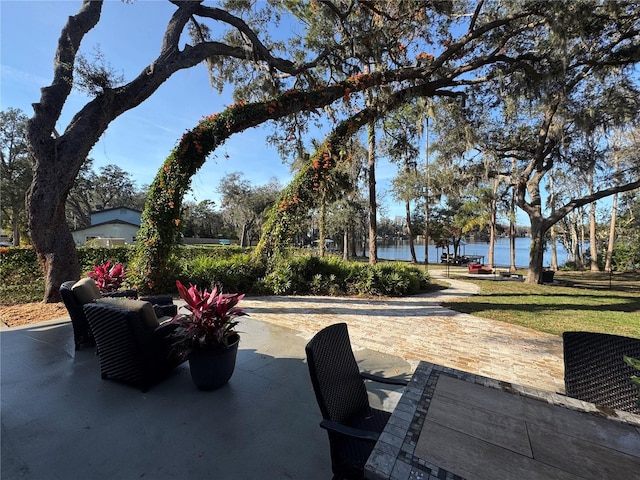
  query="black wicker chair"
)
[
  {"x": 352, "y": 424},
  {"x": 134, "y": 348},
  {"x": 76, "y": 294},
  {"x": 594, "y": 369}
]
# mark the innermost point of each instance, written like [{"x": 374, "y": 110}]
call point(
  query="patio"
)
[{"x": 61, "y": 420}]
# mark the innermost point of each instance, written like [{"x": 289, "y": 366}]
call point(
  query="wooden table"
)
[{"x": 455, "y": 425}]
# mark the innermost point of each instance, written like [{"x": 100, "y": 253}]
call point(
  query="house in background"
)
[{"x": 109, "y": 227}]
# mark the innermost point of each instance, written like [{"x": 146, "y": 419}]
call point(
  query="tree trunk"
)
[
  {"x": 614, "y": 216},
  {"x": 512, "y": 224},
  {"x": 554, "y": 249},
  {"x": 321, "y": 220},
  {"x": 15, "y": 223},
  {"x": 536, "y": 251},
  {"x": 612, "y": 233},
  {"x": 412, "y": 247},
  {"x": 345, "y": 243},
  {"x": 512, "y": 246},
  {"x": 582, "y": 248},
  {"x": 242, "y": 235},
  {"x": 426, "y": 232},
  {"x": 50, "y": 234},
  {"x": 373, "y": 223},
  {"x": 492, "y": 223},
  {"x": 552, "y": 202},
  {"x": 575, "y": 246},
  {"x": 427, "y": 193},
  {"x": 593, "y": 243}
]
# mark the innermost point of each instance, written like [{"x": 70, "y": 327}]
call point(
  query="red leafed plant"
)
[
  {"x": 108, "y": 278},
  {"x": 212, "y": 318}
]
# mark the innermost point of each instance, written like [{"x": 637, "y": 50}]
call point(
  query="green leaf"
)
[{"x": 634, "y": 362}]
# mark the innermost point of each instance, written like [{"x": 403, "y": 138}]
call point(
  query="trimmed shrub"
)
[
  {"x": 21, "y": 279},
  {"x": 18, "y": 262},
  {"x": 333, "y": 276},
  {"x": 90, "y": 256},
  {"x": 237, "y": 274},
  {"x": 390, "y": 279},
  {"x": 231, "y": 269}
]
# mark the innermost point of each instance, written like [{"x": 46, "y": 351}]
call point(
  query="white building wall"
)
[{"x": 110, "y": 230}]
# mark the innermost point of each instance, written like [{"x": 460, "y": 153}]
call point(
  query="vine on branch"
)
[{"x": 161, "y": 216}]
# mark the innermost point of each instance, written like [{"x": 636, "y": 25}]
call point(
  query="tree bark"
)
[
  {"x": 55, "y": 248},
  {"x": 512, "y": 246},
  {"x": 554, "y": 249},
  {"x": 321, "y": 226},
  {"x": 15, "y": 224},
  {"x": 512, "y": 221},
  {"x": 575, "y": 246},
  {"x": 537, "y": 250},
  {"x": 552, "y": 202},
  {"x": 412, "y": 247},
  {"x": 608, "y": 265},
  {"x": 373, "y": 223},
  {"x": 427, "y": 171},
  {"x": 492, "y": 224},
  {"x": 345, "y": 243},
  {"x": 612, "y": 234},
  {"x": 593, "y": 242}
]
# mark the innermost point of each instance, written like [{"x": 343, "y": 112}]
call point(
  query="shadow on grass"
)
[{"x": 476, "y": 307}]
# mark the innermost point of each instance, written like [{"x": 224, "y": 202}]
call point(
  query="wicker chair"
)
[
  {"x": 134, "y": 348},
  {"x": 76, "y": 294},
  {"x": 352, "y": 424},
  {"x": 594, "y": 369}
]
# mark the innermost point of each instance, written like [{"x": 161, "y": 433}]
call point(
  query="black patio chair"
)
[
  {"x": 133, "y": 347},
  {"x": 352, "y": 424},
  {"x": 594, "y": 369},
  {"x": 76, "y": 294}
]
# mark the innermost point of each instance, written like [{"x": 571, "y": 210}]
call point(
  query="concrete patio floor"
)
[{"x": 60, "y": 420}]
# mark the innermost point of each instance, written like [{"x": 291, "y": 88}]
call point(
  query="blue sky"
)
[{"x": 129, "y": 36}]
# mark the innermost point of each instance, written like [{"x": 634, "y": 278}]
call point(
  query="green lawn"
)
[{"x": 582, "y": 301}]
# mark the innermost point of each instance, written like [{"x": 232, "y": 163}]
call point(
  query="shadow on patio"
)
[{"x": 61, "y": 420}]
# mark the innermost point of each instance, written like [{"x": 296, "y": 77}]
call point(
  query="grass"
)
[{"x": 577, "y": 301}]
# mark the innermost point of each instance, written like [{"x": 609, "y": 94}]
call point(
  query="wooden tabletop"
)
[{"x": 456, "y": 425}]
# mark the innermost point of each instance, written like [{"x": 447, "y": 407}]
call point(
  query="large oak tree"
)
[{"x": 59, "y": 156}]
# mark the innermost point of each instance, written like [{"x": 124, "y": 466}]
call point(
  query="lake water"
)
[{"x": 400, "y": 251}]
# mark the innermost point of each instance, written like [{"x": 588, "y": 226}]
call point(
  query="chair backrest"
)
[
  {"x": 119, "y": 354},
  {"x": 74, "y": 307},
  {"x": 82, "y": 335},
  {"x": 86, "y": 290},
  {"x": 335, "y": 375},
  {"x": 594, "y": 369}
]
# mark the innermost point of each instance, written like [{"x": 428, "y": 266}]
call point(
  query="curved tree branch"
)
[
  {"x": 53, "y": 97},
  {"x": 561, "y": 212}
]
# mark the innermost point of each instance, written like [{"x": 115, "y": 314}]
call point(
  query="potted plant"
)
[
  {"x": 208, "y": 333},
  {"x": 108, "y": 279}
]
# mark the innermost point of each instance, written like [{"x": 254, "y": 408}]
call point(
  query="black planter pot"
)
[
  {"x": 211, "y": 369},
  {"x": 547, "y": 276}
]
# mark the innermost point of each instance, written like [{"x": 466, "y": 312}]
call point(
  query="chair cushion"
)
[
  {"x": 143, "y": 309},
  {"x": 86, "y": 290}
]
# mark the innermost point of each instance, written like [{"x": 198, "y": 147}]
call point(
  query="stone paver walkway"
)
[{"x": 419, "y": 328}]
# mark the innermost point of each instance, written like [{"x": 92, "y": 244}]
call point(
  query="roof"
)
[
  {"x": 110, "y": 222},
  {"x": 115, "y": 208}
]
